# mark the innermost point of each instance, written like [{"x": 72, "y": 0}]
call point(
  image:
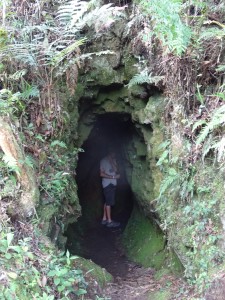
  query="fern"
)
[
  {"x": 24, "y": 52},
  {"x": 144, "y": 77},
  {"x": 11, "y": 163},
  {"x": 198, "y": 124},
  {"x": 220, "y": 68},
  {"x": 217, "y": 119},
  {"x": 212, "y": 33},
  {"x": 168, "y": 181},
  {"x": 9, "y": 102},
  {"x": 58, "y": 57},
  {"x": 29, "y": 91},
  {"x": 163, "y": 158},
  {"x": 71, "y": 13},
  {"x": 167, "y": 24},
  {"x": 208, "y": 145},
  {"x": 18, "y": 75},
  {"x": 220, "y": 149}
]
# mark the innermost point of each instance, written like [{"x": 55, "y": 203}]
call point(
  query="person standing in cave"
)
[{"x": 109, "y": 174}]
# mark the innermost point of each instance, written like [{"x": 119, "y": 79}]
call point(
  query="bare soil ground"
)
[{"x": 131, "y": 281}]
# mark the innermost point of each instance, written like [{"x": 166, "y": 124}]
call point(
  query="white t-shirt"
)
[{"x": 107, "y": 168}]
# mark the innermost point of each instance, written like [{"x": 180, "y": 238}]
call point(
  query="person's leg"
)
[
  {"x": 104, "y": 218},
  {"x": 108, "y": 213},
  {"x": 109, "y": 194}
]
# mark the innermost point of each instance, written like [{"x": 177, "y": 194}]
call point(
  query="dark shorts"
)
[{"x": 109, "y": 194}]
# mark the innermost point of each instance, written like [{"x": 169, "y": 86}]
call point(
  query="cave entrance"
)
[
  {"x": 87, "y": 237},
  {"x": 142, "y": 239}
]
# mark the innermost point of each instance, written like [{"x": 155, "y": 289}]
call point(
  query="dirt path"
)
[{"x": 131, "y": 281}]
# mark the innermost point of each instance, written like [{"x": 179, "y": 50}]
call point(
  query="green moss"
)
[
  {"x": 160, "y": 273},
  {"x": 103, "y": 73},
  {"x": 47, "y": 211},
  {"x": 174, "y": 263},
  {"x": 111, "y": 100},
  {"x": 94, "y": 271},
  {"x": 3, "y": 37},
  {"x": 130, "y": 69},
  {"x": 163, "y": 294},
  {"x": 144, "y": 242}
]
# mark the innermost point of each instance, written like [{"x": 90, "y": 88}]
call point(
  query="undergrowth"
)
[
  {"x": 188, "y": 204},
  {"x": 31, "y": 268}
]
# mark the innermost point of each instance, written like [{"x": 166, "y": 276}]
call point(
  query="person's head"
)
[{"x": 111, "y": 152}]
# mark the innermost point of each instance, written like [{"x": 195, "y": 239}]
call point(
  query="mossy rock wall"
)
[
  {"x": 144, "y": 242},
  {"x": 146, "y": 245}
]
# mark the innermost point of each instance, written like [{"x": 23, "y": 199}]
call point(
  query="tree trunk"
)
[{"x": 9, "y": 143}]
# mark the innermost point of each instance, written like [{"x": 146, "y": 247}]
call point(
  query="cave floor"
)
[{"x": 131, "y": 281}]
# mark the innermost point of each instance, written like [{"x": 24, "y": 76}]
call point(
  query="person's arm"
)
[{"x": 105, "y": 175}]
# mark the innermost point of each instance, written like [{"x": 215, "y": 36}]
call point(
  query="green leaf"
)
[
  {"x": 162, "y": 158},
  {"x": 52, "y": 273},
  {"x": 81, "y": 292},
  {"x": 58, "y": 143},
  {"x": 17, "y": 249},
  {"x": 57, "y": 281},
  {"x": 12, "y": 275},
  {"x": 198, "y": 124},
  {"x": 39, "y": 137},
  {"x": 66, "y": 51},
  {"x": 8, "y": 256},
  {"x": 61, "y": 288},
  {"x": 9, "y": 237}
]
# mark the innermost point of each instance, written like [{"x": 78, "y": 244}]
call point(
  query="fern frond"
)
[
  {"x": 11, "y": 163},
  {"x": 29, "y": 91},
  {"x": 162, "y": 158},
  {"x": 138, "y": 79},
  {"x": 212, "y": 33},
  {"x": 208, "y": 145},
  {"x": 58, "y": 57},
  {"x": 217, "y": 119},
  {"x": 58, "y": 143},
  {"x": 168, "y": 181},
  {"x": 164, "y": 145},
  {"x": 144, "y": 77},
  {"x": 26, "y": 53},
  {"x": 71, "y": 13},
  {"x": 198, "y": 124},
  {"x": 18, "y": 75},
  {"x": 220, "y": 149},
  {"x": 220, "y": 68},
  {"x": 167, "y": 24}
]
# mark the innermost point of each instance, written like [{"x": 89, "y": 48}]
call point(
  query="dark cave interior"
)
[
  {"x": 87, "y": 234},
  {"x": 110, "y": 130}
]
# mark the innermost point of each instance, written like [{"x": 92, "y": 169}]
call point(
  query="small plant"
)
[{"x": 144, "y": 77}]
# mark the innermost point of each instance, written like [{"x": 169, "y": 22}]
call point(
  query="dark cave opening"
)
[
  {"x": 110, "y": 130},
  {"x": 87, "y": 237},
  {"x": 138, "y": 239}
]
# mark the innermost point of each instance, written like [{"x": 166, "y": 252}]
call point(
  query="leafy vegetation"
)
[
  {"x": 167, "y": 24},
  {"x": 34, "y": 270},
  {"x": 144, "y": 77},
  {"x": 40, "y": 56}
]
